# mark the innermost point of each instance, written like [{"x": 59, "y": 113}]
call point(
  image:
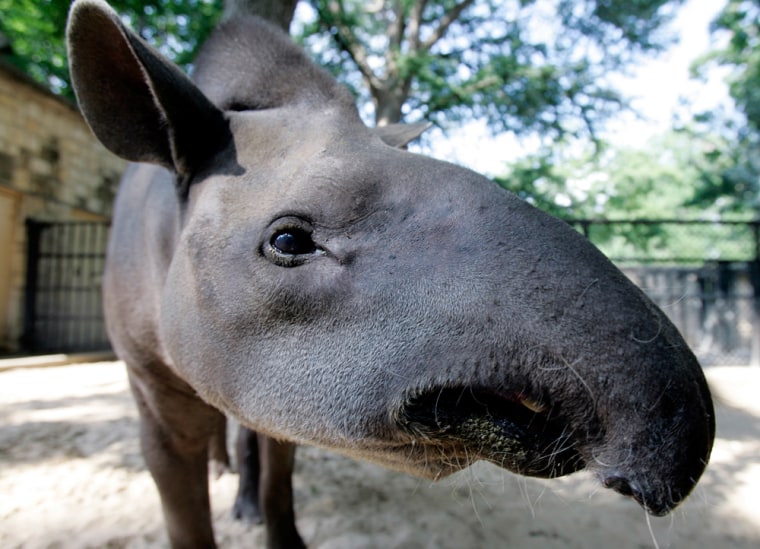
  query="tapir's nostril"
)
[
  {"x": 657, "y": 503},
  {"x": 621, "y": 486}
]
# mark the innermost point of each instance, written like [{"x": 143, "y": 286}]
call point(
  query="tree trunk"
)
[
  {"x": 389, "y": 101},
  {"x": 279, "y": 12},
  {"x": 387, "y": 108}
]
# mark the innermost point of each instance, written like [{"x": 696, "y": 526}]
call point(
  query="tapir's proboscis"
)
[{"x": 275, "y": 260}]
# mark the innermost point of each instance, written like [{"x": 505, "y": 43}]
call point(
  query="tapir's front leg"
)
[
  {"x": 266, "y": 488},
  {"x": 175, "y": 430},
  {"x": 247, "y": 500},
  {"x": 276, "y": 492},
  {"x": 218, "y": 457}
]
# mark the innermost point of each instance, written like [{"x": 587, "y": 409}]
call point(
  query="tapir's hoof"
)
[
  {"x": 287, "y": 538},
  {"x": 246, "y": 511}
]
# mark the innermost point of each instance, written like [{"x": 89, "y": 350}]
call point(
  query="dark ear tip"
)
[
  {"x": 81, "y": 6},
  {"x": 86, "y": 22},
  {"x": 84, "y": 14}
]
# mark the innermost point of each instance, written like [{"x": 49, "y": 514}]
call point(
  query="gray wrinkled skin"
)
[{"x": 431, "y": 319}]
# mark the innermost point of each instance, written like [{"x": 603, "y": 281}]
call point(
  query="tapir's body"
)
[{"x": 282, "y": 263}]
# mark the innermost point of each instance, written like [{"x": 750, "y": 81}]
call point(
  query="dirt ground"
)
[{"x": 71, "y": 476}]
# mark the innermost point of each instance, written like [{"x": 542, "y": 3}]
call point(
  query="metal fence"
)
[
  {"x": 703, "y": 275},
  {"x": 63, "y": 308}
]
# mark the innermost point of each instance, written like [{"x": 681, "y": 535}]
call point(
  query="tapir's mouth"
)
[{"x": 513, "y": 431}]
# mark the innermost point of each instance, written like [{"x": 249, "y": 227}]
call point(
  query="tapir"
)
[{"x": 274, "y": 259}]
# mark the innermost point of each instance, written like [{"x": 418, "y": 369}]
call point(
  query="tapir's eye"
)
[
  {"x": 290, "y": 243},
  {"x": 293, "y": 242}
]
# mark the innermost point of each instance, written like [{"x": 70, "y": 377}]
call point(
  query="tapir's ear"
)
[
  {"x": 141, "y": 106},
  {"x": 400, "y": 135}
]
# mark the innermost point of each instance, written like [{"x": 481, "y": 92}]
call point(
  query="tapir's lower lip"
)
[{"x": 511, "y": 430}]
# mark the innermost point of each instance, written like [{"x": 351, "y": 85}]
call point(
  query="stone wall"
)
[{"x": 51, "y": 169}]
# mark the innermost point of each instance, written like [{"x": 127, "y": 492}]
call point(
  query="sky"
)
[
  {"x": 658, "y": 84},
  {"x": 655, "y": 88}
]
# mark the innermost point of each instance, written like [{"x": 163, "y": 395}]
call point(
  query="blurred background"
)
[{"x": 637, "y": 122}]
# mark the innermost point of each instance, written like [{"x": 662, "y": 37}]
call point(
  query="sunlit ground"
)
[{"x": 71, "y": 475}]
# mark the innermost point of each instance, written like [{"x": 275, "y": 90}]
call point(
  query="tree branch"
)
[
  {"x": 396, "y": 30},
  {"x": 348, "y": 41},
  {"x": 415, "y": 24},
  {"x": 445, "y": 22},
  {"x": 395, "y": 35}
]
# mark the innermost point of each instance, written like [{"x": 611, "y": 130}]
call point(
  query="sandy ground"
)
[{"x": 71, "y": 475}]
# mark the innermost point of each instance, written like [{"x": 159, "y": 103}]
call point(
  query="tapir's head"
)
[{"x": 331, "y": 288}]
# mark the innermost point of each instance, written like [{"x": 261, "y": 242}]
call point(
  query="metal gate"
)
[
  {"x": 713, "y": 305},
  {"x": 63, "y": 309}
]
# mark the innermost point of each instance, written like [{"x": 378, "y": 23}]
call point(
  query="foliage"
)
[
  {"x": 35, "y": 29},
  {"x": 651, "y": 183},
  {"x": 35, "y": 32},
  {"x": 731, "y": 181},
  {"x": 524, "y": 65},
  {"x": 729, "y": 167},
  {"x": 741, "y": 20},
  {"x": 544, "y": 180}
]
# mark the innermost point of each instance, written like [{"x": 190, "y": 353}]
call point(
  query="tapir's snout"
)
[
  {"x": 550, "y": 361},
  {"x": 659, "y": 462},
  {"x": 655, "y": 459},
  {"x": 531, "y": 438}
]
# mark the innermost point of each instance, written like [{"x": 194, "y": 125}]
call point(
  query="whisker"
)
[
  {"x": 655, "y": 336},
  {"x": 651, "y": 530}
]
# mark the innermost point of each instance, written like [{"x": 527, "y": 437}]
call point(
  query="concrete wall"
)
[{"x": 51, "y": 169}]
